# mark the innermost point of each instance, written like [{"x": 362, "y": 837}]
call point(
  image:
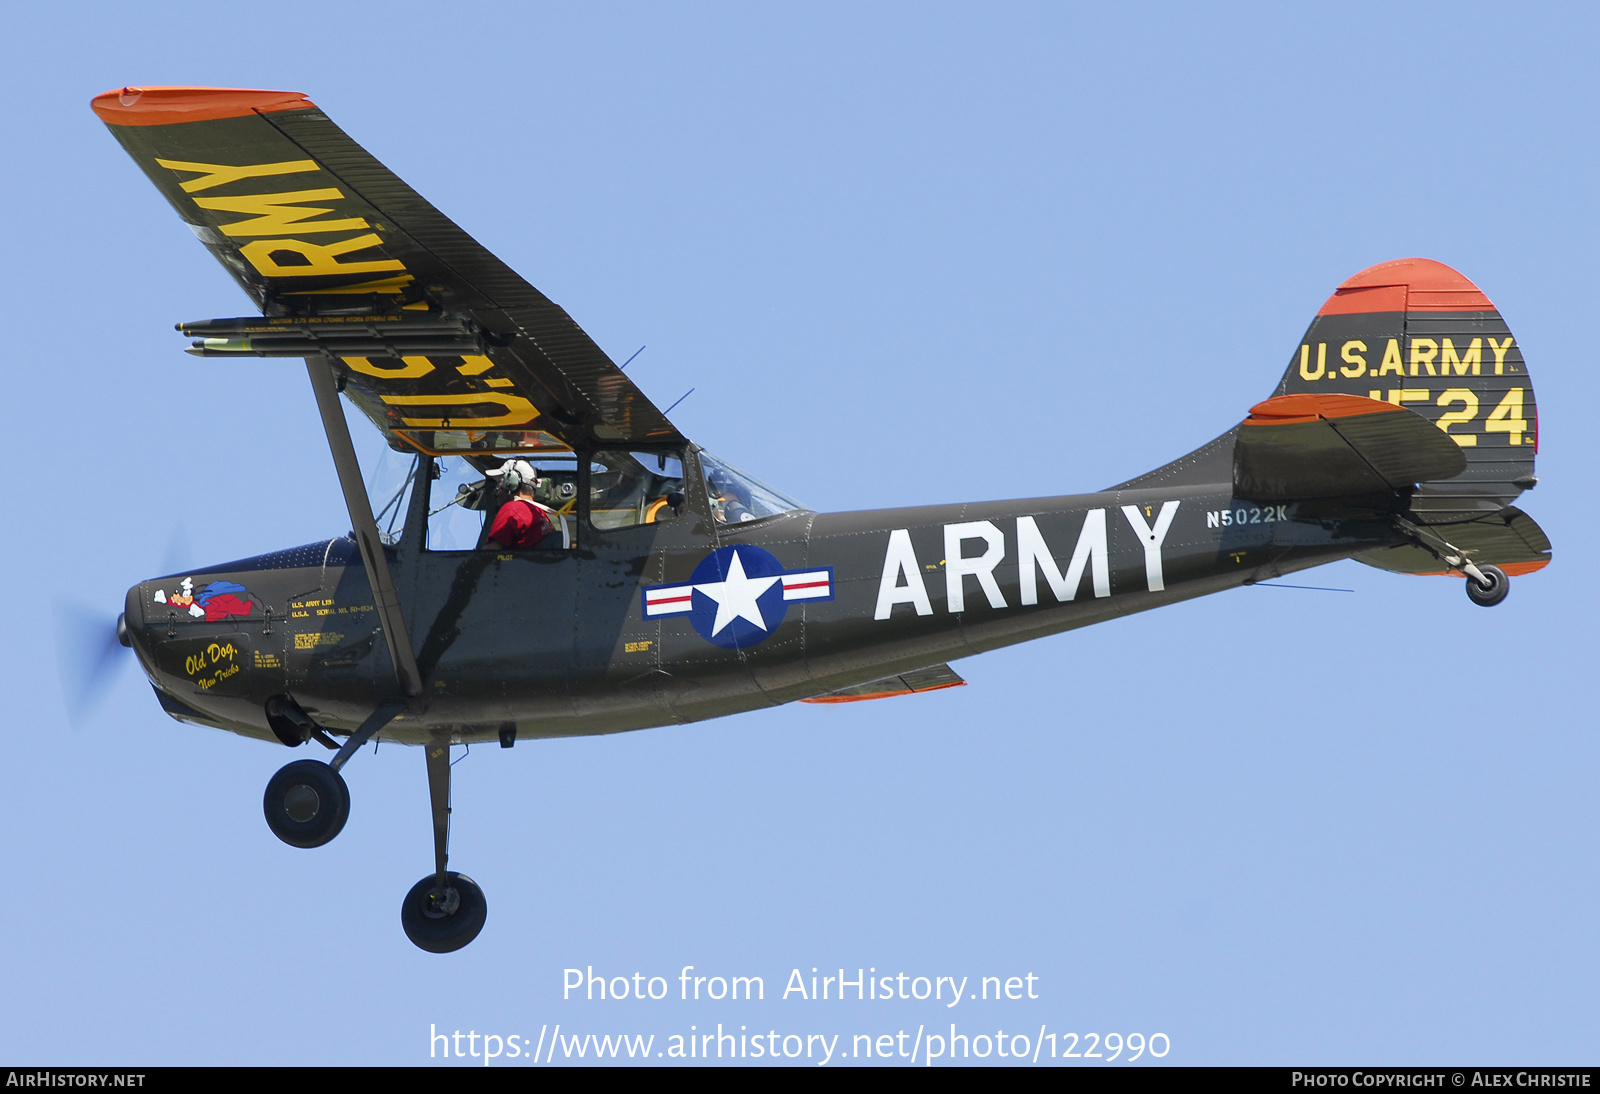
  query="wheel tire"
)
[
  {"x": 1499, "y": 586},
  {"x": 306, "y": 803},
  {"x": 432, "y": 930}
]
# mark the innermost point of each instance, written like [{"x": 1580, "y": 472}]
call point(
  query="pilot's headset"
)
[{"x": 514, "y": 475}]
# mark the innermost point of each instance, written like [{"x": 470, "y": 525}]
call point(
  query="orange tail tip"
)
[
  {"x": 173, "y": 105},
  {"x": 1406, "y": 284}
]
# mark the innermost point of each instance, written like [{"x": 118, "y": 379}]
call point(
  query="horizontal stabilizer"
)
[
  {"x": 1294, "y": 447},
  {"x": 1508, "y": 539},
  {"x": 931, "y": 678}
]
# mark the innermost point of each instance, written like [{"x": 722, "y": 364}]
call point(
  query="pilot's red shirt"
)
[{"x": 520, "y": 525}]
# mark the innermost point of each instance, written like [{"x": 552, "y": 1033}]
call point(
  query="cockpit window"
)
[
  {"x": 627, "y": 489},
  {"x": 464, "y": 499},
  {"x": 736, "y": 497},
  {"x": 389, "y": 492},
  {"x": 452, "y": 525}
]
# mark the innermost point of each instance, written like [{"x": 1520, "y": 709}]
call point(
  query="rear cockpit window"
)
[{"x": 627, "y": 489}]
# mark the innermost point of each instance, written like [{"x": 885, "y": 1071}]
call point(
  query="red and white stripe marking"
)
[
  {"x": 678, "y": 599},
  {"x": 815, "y": 585},
  {"x": 668, "y": 600}
]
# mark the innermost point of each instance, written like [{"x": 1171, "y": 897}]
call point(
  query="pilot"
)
[
  {"x": 522, "y": 522},
  {"x": 727, "y": 501}
]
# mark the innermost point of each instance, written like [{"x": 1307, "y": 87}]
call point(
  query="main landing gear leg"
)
[
  {"x": 307, "y": 802},
  {"x": 1486, "y": 585},
  {"x": 445, "y": 910}
]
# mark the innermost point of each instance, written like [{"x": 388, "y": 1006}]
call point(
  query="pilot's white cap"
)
[{"x": 523, "y": 469}]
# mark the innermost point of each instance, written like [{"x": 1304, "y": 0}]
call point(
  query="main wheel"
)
[
  {"x": 442, "y": 922},
  {"x": 306, "y": 803},
  {"x": 1492, "y": 594}
]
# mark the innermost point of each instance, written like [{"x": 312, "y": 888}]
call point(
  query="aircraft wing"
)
[{"x": 440, "y": 343}]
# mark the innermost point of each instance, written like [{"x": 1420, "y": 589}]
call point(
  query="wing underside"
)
[{"x": 319, "y": 233}]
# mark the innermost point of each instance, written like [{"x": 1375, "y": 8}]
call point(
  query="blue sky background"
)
[{"x": 906, "y": 253}]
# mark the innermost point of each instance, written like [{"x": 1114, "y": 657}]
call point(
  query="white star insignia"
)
[{"x": 736, "y": 596}]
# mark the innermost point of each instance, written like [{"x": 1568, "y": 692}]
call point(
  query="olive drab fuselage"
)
[{"x": 563, "y": 643}]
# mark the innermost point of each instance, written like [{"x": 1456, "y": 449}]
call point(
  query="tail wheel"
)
[
  {"x": 306, "y": 803},
  {"x": 444, "y": 920},
  {"x": 1487, "y": 596}
]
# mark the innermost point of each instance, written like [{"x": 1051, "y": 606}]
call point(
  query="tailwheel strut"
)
[
  {"x": 1487, "y": 585},
  {"x": 445, "y": 910}
]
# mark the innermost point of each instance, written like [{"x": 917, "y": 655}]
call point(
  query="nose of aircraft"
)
[{"x": 133, "y": 631}]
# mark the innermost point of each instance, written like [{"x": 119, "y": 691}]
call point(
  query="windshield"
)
[{"x": 736, "y": 497}]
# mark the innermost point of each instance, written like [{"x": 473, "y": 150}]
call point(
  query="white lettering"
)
[
  {"x": 1091, "y": 550},
  {"x": 901, "y": 559},
  {"x": 1152, "y": 539},
  {"x": 956, "y": 568}
]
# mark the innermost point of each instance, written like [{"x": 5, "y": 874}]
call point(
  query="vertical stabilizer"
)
[{"x": 1417, "y": 334}]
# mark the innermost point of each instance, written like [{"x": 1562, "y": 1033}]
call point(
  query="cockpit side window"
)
[
  {"x": 454, "y": 524},
  {"x": 389, "y": 482},
  {"x": 736, "y": 497},
  {"x": 464, "y": 500},
  {"x": 627, "y": 489}
]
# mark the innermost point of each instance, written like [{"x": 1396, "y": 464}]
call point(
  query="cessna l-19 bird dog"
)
[{"x": 553, "y": 558}]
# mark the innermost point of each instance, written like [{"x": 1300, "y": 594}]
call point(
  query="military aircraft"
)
[{"x": 667, "y": 585}]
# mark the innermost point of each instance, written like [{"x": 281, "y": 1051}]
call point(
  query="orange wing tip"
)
[
  {"x": 174, "y": 105},
  {"x": 1289, "y": 409},
  {"x": 1407, "y": 284},
  {"x": 882, "y": 694}
]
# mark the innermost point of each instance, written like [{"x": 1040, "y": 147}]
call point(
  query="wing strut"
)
[{"x": 385, "y": 598}]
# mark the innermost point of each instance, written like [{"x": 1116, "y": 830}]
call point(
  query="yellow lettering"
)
[
  {"x": 1473, "y": 357},
  {"x": 518, "y": 409},
  {"x": 1408, "y": 395},
  {"x": 1305, "y": 362},
  {"x": 1391, "y": 359},
  {"x": 1352, "y": 357},
  {"x": 320, "y": 258},
  {"x": 218, "y": 174},
  {"x": 1423, "y": 351},
  {"x": 1507, "y": 417},
  {"x": 1499, "y": 354},
  {"x": 276, "y": 214},
  {"x": 411, "y": 367},
  {"x": 1459, "y": 395}
]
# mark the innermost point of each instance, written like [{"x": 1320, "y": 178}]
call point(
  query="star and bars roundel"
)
[{"x": 738, "y": 595}]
